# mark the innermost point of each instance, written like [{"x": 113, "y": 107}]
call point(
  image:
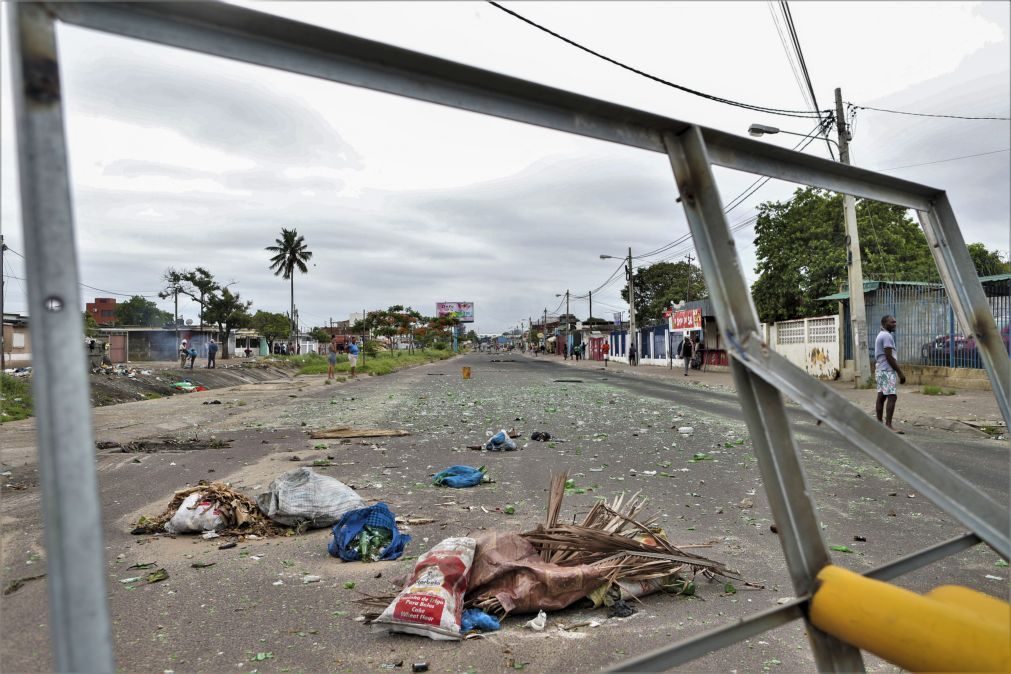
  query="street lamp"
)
[
  {"x": 759, "y": 130},
  {"x": 631, "y": 296}
]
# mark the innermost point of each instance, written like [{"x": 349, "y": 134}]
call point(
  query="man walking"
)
[
  {"x": 887, "y": 373},
  {"x": 685, "y": 352},
  {"x": 212, "y": 352},
  {"x": 353, "y": 355},
  {"x": 184, "y": 353}
]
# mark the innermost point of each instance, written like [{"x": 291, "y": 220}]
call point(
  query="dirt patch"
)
[{"x": 165, "y": 445}]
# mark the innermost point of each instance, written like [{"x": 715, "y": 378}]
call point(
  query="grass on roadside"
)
[
  {"x": 929, "y": 390},
  {"x": 382, "y": 363},
  {"x": 15, "y": 398}
]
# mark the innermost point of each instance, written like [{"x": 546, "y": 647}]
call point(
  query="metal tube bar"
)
[
  {"x": 695, "y": 647},
  {"x": 946, "y": 489},
  {"x": 665, "y": 657},
  {"x": 966, "y": 295},
  {"x": 761, "y": 403},
  {"x": 75, "y": 559},
  {"x": 254, "y": 37},
  {"x": 918, "y": 560},
  {"x": 747, "y": 154}
]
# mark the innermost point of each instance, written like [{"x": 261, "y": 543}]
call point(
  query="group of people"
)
[
  {"x": 188, "y": 352},
  {"x": 336, "y": 346}
]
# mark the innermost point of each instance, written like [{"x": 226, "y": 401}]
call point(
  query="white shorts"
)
[{"x": 353, "y": 360}]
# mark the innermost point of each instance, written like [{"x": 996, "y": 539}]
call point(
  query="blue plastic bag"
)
[
  {"x": 460, "y": 476},
  {"x": 476, "y": 619},
  {"x": 500, "y": 442},
  {"x": 351, "y": 524}
]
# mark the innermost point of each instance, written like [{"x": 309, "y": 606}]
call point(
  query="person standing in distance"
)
[
  {"x": 331, "y": 358},
  {"x": 353, "y": 355},
  {"x": 212, "y": 353},
  {"x": 887, "y": 374},
  {"x": 685, "y": 352}
]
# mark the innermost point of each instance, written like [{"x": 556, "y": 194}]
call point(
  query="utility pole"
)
[
  {"x": 631, "y": 307},
  {"x": 854, "y": 266},
  {"x": 175, "y": 293},
  {"x": 568, "y": 325},
  {"x": 591, "y": 307},
  {"x": 544, "y": 338},
  {"x": 688, "y": 290}
]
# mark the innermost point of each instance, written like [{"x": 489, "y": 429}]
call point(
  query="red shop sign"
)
[{"x": 690, "y": 319}]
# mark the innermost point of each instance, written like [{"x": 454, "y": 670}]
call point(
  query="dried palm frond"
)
[{"x": 240, "y": 513}]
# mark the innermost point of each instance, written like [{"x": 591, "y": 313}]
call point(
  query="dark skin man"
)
[{"x": 885, "y": 404}]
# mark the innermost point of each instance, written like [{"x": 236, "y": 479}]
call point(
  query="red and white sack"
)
[{"x": 432, "y": 601}]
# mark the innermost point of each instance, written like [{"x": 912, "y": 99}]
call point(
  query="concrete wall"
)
[
  {"x": 17, "y": 345},
  {"x": 814, "y": 344}
]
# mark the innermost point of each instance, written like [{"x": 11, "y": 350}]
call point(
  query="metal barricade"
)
[{"x": 79, "y": 619}]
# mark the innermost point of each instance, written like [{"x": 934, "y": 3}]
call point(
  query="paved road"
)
[{"x": 609, "y": 429}]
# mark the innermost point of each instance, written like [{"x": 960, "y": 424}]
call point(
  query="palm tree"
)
[{"x": 290, "y": 254}]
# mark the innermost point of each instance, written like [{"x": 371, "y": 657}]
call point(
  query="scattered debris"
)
[
  {"x": 538, "y": 623},
  {"x": 202, "y": 565},
  {"x": 460, "y": 477},
  {"x": 349, "y": 432},
  {"x": 501, "y": 441},
  {"x": 311, "y": 579},
  {"x": 419, "y": 667},
  {"x": 620, "y": 609},
  {"x": 860, "y": 539},
  {"x": 227, "y": 546},
  {"x": 212, "y": 402},
  {"x": 303, "y": 496},
  {"x": 173, "y": 445},
  {"x": 368, "y": 535},
  {"x": 19, "y": 583},
  {"x": 157, "y": 576},
  {"x": 476, "y": 619},
  {"x": 428, "y": 604},
  {"x": 540, "y": 436},
  {"x": 141, "y": 566},
  {"x": 238, "y": 513}
]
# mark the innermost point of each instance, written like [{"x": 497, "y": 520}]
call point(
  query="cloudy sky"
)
[{"x": 180, "y": 159}]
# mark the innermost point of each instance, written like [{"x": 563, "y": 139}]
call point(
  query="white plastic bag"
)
[
  {"x": 195, "y": 515},
  {"x": 432, "y": 602},
  {"x": 302, "y": 495}
]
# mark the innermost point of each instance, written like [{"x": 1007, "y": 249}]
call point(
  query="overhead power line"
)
[
  {"x": 788, "y": 16},
  {"x": 694, "y": 92},
  {"x": 927, "y": 114},
  {"x": 941, "y": 161}
]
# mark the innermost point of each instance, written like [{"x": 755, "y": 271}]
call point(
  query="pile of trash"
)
[
  {"x": 186, "y": 386},
  {"x": 611, "y": 556},
  {"x": 23, "y": 372},
  {"x": 299, "y": 498}
]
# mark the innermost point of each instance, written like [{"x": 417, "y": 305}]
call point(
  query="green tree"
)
[
  {"x": 987, "y": 262},
  {"x": 320, "y": 335},
  {"x": 90, "y": 325},
  {"x": 659, "y": 285},
  {"x": 198, "y": 284},
  {"x": 140, "y": 311},
  {"x": 801, "y": 248},
  {"x": 271, "y": 326},
  {"x": 290, "y": 253},
  {"x": 228, "y": 312}
]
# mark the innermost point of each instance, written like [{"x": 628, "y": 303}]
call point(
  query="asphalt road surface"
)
[{"x": 612, "y": 433}]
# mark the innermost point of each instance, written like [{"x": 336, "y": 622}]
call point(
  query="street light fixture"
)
[
  {"x": 759, "y": 130},
  {"x": 631, "y": 296}
]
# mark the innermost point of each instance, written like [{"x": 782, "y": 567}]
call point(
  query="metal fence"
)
[
  {"x": 928, "y": 332},
  {"x": 79, "y": 617}
]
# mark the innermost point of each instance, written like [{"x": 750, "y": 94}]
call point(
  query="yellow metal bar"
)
[{"x": 951, "y": 629}]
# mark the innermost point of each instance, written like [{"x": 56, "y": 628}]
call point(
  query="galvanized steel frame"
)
[{"x": 79, "y": 613}]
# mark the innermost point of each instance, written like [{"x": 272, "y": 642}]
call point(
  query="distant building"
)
[
  {"x": 103, "y": 310},
  {"x": 16, "y": 342}
]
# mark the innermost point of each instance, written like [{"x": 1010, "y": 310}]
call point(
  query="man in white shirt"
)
[{"x": 887, "y": 374}]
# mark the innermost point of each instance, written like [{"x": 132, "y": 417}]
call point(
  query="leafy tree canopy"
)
[
  {"x": 228, "y": 312},
  {"x": 801, "y": 249},
  {"x": 987, "y": 262},
  {"x": 271, "y": 326},
  {"x": 140, "y": 311},
  {"x": 320, "y": 335},
  {"x": 663, "y": 283}
]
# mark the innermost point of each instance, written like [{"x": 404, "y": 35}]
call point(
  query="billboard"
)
[
  {"x": 461, "y": 310},
  {"x": 689, "y": 319}
]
